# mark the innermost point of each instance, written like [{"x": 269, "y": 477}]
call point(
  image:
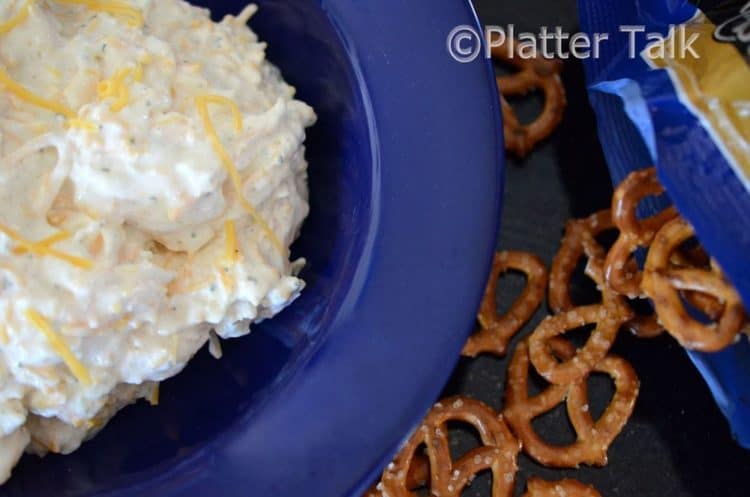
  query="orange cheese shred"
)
[
  {"x": 29, "y": 97},
  {"x": 202, "y": 103},
  {"x": 59, "y": 346},
  {"x": 43, "y": 248},
  {"x": 117, "y": 8},
  {"x": 17, "y": 19}
]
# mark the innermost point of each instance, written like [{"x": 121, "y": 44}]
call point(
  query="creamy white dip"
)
[{"x": 152, "y": 177}]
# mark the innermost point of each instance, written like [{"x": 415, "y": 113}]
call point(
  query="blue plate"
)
[{"x": 406, "y": 182}]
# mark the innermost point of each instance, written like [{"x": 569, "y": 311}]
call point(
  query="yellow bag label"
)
[{"x": 712, "y": 78}]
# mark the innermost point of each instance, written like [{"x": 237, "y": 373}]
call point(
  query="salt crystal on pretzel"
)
[
  {"x": 593, "y": 437},
  {"x": 495, "y": 330}
]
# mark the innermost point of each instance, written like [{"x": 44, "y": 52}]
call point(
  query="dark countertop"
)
[{"x": 677, "y": 443}]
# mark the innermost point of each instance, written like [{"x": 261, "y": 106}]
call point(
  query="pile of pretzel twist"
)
[{"x": 691, "y": 300}]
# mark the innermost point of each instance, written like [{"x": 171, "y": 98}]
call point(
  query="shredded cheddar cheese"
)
[
  {"x": 4, "y": 339},
  {"x": 123, "y": 322},
  {"x": 60, "y": 347},
  {"x": 202, "y": 103},
  {"x": 231, "y": 254},
  {"x": 232, "y": 251},
  {"x": 27, "y": 96},
  {"x": 82, "y": 124},
  {"x": 226, "y": 280},
  {"x": 55, "y": 72},
  {"x": 154, "y": 397},
  {"x": 44, "y": 249},
  {"x": 116, "y": 8},
  {"x": 180, "y": 287},
  {"x": 174, "y": 344},
  {"x": 117, "y": 88},
  {"x": 20, "y": 17},
  {"x": 47, "y": 242}
]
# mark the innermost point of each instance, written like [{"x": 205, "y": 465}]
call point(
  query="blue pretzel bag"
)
[{"x": 659, "y": 104}]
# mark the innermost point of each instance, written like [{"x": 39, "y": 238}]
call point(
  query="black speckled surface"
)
[{"x": 677, "y": 443}]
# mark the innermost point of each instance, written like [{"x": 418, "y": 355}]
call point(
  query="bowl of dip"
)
[{"x": 405, "y": 178}]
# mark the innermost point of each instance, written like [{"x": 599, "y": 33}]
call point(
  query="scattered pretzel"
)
[
  {"x": 536, "y": 487},
  {"x": 533, "y": 74},
  {"x": 579, "y": 241},
  {"x": 608, "y": 316},
  {"x": 593, "y": 437},
  {"x": 634, "y": 233},
  {"x": 572, "y": 248},
  {"x": 448, "y": 478},
  {"x": 642, "y": 326},
  {"x": 496, "y": 331},
  {"x": 663, "y": 285},
  {"x": 673, "y": 275},
  {"x": 620, "y": 271}
]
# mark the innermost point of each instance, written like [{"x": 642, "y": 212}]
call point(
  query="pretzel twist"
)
[
  {"x": 664, "y": 284},
  {"x": 448, "y": 478},
  {"x": 496, "y": 331},
  {"x": 574, "y": 245},
  {"x": 593, "y": 437},
  {"x": 634, "y": 233},
  {"x": 608, "y": 316},
  {"x": 579, "y": 241},
  {"x": 620, "y": 272},
  {"x": 533, "y": 74}
]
